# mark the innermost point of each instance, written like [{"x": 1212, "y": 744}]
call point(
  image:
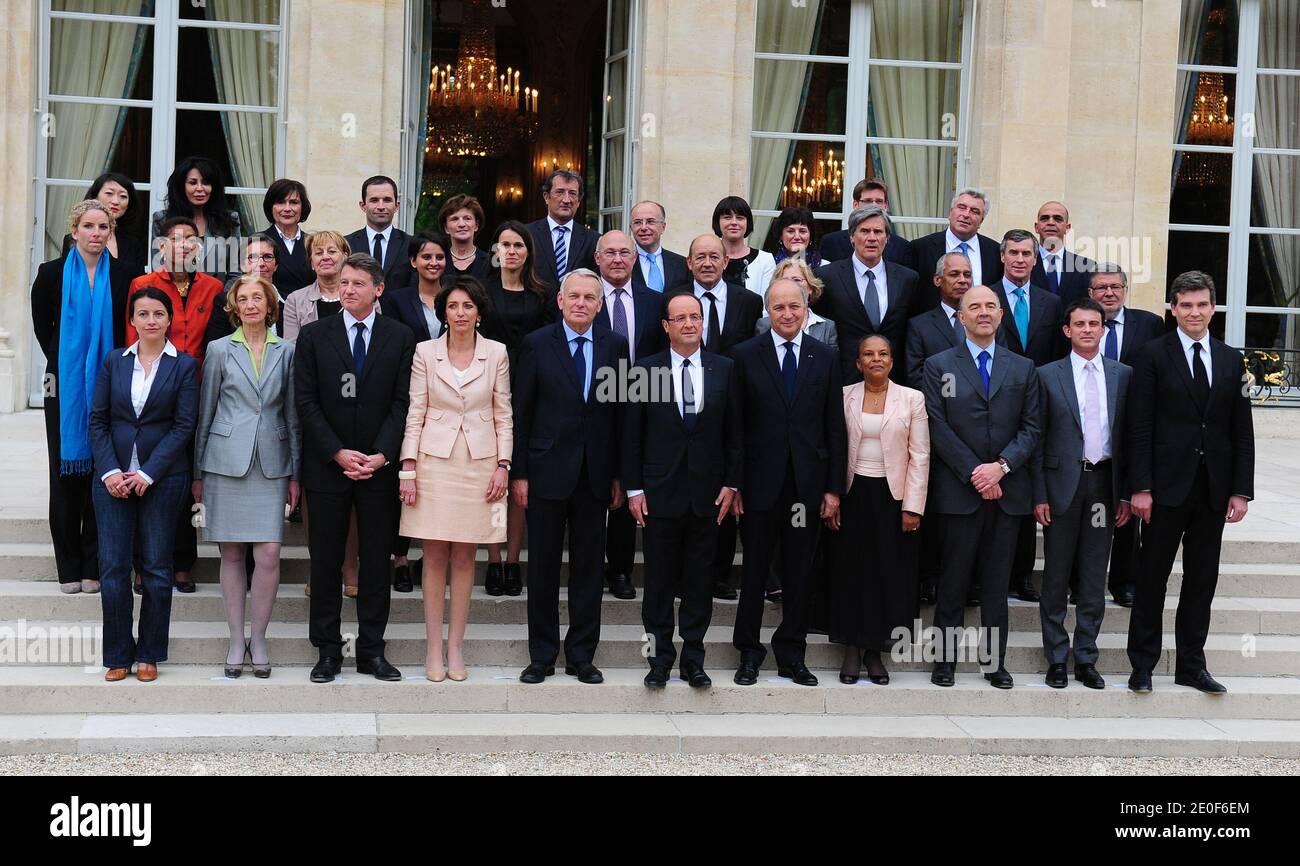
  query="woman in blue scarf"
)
[{"x": 79, "y": 315}]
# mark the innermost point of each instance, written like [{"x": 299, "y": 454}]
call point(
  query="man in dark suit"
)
[
  {"x": 352, "y": 376},
  {"x": 656, "y": 268},
  {"x": 1079, "y": 492},
  {"x": 983, "y": 404},
  {"x": 633, "y": 314},
  {"x": 1059, "y": 270},
  {"x": 864, "y": 294},
  {"x": 965, "y": 216},
  {"x": 1128, "y": 329},
  {"x": 385, "y": 242},
  {"x": 1191, "y": 467},
  {"x": 796, "y": 450},
  {"x": 565, "y": 473},
  {"x": 562, "y": 244},
  {"x": 838, "y": 245},
  {"x": 682, "y": 464}
]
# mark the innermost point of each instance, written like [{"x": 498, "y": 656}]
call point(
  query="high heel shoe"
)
[
  {"x": 458, "y": 676},
  {"x": 873, "y": 662},
  {"x": 434, "y": 676},
  {"x": 260, "y": 671},
  {"x": 851, "y": 669},
  {"x": 233, "y": 672}
]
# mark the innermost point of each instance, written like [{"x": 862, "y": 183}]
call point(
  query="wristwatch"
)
[
  {"x": 504, "y": 464},
  {"x": 1006, "y": 467}
]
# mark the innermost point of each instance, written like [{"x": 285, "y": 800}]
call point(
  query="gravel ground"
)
[{"x": 573, "y": 764}]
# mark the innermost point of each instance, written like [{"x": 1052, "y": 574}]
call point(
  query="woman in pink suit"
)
[{"x": 455, "y": 462}]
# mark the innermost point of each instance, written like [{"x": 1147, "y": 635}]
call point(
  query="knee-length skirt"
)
[
  {"x": 451, "y": 499},
  {"x": 249, "y": 509}
]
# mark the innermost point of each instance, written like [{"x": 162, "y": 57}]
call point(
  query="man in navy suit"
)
[
  {"x": 633, "y": 314},
  {"x": 380, "y": 239},
  {"x": 1059, "y": 270},
  {"x": 656, "y": 268},
  {"x": 565, "y": 473},
  {"x": 969, "y": 209},
  {"x": 562, "y": 244},
  {"x": 838, "y": 245},
  {"x": 796, "y": 451}
]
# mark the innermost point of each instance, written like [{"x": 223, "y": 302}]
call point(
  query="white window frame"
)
[{"x": 630, "y": 129}]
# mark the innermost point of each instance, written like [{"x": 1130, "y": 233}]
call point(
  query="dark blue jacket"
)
[{"x": 162, "y": 433}]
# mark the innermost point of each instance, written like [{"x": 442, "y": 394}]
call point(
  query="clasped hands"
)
[
  {"x": 357, "y": 466},
  {"x": 987, "y": 479},
  {"x": 123, "y": 484}
]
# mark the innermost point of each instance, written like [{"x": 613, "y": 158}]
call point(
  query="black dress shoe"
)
[
  {"x": 973, "y": 597},
  {"x": 1056, "y": 677},
  {"x": 724, "y": 592},
  {"x": 620, "y": 586},
  {"x": 185, "y": 586},
  {"x": 695, "y": 677},
  {"x": 326, "y": 669},
  {"x": 379, "y": 668},
  {"x": 1124, "y": 598},
  {"x": 746, "y": 674},
  {"x": 1087, "y": 674},
  {"x": 657, "y": 678},
  {"x": 402, "y": 578},
  {"x": 1201, "y": 680},
  {"x": 1000, "y": 679},
  {"x": 495, "y": 581},
  {"x": 514, "y": 579},
  {"x": 775, "y": 596},
  {"x": 536, "y": 673},
  {"x": 927, "y": 595},
  {"x": 943, "y": 674},
  {"x": 1139, "y": 681},
  {"x": 1026, "y": 592},
  {"x": 586, "y": 672},
  {"x": 799, "y": 673}
]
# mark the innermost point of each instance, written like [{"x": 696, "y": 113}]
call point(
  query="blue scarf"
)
[{"x": 85, "y": 337}]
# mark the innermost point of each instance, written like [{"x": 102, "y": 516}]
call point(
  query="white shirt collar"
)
[
  {"x": 677, "y": 359},
  {"x": 1044, "y": 252},
  {"x": 780, "y": 341},
  {"x": 947, "y": 310},
  {"x": 860, "y": 268},
  {"x": 812, "y": 319},
  {"x": 656, "y": 252},
  {"x": 719, "y": 290},
  {"x": 370, "y": 235},
  {"x": 570, "y": 335},
  {"x": 1077, "y": 362},
  {"x": 974, "y": 348},
  {"x": 1187, "y": 341},
  {"x": 1010, "y": 287},
  {"x": 295, "y": 238},
  {"x": 609, "y": 288},
  {"x": 1119, "y": 316},
  {"x": 554, "y": 225},
  {"x": 350, "y": 321},
  {"x": 953, "y": 241},
  {"x": 134, "y": 349}
]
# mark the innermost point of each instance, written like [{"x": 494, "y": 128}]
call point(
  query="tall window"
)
[
  {"x": 847, "y": 89},
  {"x": 1235, "y": 204}
]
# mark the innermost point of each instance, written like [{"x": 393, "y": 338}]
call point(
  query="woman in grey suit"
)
[
  {"x": 246, "y": 459},
  {"x": 815, "y": 326}
]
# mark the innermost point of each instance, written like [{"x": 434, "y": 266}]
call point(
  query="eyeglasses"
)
[
  {"x": 264, "y": 257},
  {"x": 693, "y": 318},
  {"x": 636, "y": 224},
  {"x": 1109, "y": 287},
  {"x": 616, "y": 254}
]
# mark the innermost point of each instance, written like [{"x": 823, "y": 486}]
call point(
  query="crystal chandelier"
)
[
  {"x": 474, "y": 110},
  {"x": 815, "y": 184}
]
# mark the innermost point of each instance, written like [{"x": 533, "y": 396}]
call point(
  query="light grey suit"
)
[{"x": 1076, "y": 499}]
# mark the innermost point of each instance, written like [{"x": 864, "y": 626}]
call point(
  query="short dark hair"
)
[
  {"x": 1192, "y": 281},
  {"x": 566, "y": 175},
  {"x": 377, "y": 179},
  {"x": 122, "y": 181},
  {"x": 281, "y": 189},
  {"x": 1084, "y": 303},
  {"x": 470, "y": 286},
  {"x": 150, "y": 293},
  {"x": 172, "y": 222},
  {"x": 663, "y": 312},
  {"x": 1015, "y": 236},
  {"x": 888, "y": 342},
  {"x": 733, "y": 204},
  {"x": 368, "y": 263},
  {"x": 870, "y": 183},
  {"x": 263, "y": 238},
  {"x": 460, "y": 202},
  {"x": 790, "y": 216}
]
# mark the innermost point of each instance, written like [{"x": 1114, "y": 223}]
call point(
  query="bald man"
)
[{"x": 1060, "y": 271}]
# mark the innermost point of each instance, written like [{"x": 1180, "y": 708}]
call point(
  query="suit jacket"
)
[
  {"x": 405, "y": 306},
  {"x": 742, "y": 311},
  {"x": 1076, "y": 275},
  {"x": 441, "y": 408},
  {"x": 648, "y": 306},
  {"x": 1056, "y": 466},
  {"x": 925, "y": 253},
  {"x": 581, "y": 251},
  {"x": 1140, "y": 328},
  {"x": 681, "y": 469},
  {"x": 1170, "y": 434},
  {"x": 337, "y": 410},
  {"x": 557, "y": 429},
  {"x": 822, "y": 329},
  {"x": 240, "y": 412},
  {"x": 929, "y": 334},
  {"x": 807, "y": 432},
  {"x": 299, "y": 310},
  {"x": 47, "y": 306},
  {"x": 904, "y": 440},
  {"x": 674, "y": 267},
  {"x": 162, "y": 433},
  {"x": 837, "y": 245},
  {"x": 1047, "y": 341},
  {"x": 841, "y": 303},
  {"x": 292, "y": 269},
  {"x": 398, "y": 272},
  {"x": 968, "y": 428}
]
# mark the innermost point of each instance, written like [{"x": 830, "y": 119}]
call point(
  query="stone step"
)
[
  {"x": 659, "y": 733},
  {"x": 35, "y": 601},
  {"x": 203, "y": 689},
  {"x": 622, "y": 646}
]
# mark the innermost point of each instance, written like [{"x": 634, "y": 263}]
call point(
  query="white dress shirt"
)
[
  {"x": 720, "y": 299},
  {"x": 882, "y": 289},
  {"x": 1077, "y": 364},
  {"x": 430, "y": 321},
  {"x": 1048, "y": 265},
  {"x": 387, "y": 235},
  {"x": 350, "y": 324},
  {"x": 141, "y": 385},
  {"x": 291, "y": 242},
  {"x": 628, "y": 307},
  {"x": 1205, "y": 354},
  {"x": 976, "y": 266},
  {"x": 781, "y": 349},
  {"x": 697, "y": 383}
]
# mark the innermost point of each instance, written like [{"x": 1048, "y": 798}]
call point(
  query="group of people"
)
[{"x": 883, "y": 431}]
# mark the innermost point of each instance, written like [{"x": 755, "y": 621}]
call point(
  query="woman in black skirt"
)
[{"x": 873, "y": 576}]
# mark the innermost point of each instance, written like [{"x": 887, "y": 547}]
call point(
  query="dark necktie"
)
[
  {"x": 957, "y": 329},
  {"x": 688, "y": 395},
  {"x": 1112, "y": 340},
  {"x": 1200, "y": 378},
  {"x": 580, "y": 364},
  {"x": 1054, "y": 273},
  {"x": 620, "y": 315},
  {"x": 561, "y": 252},
  {"x": 711, "y": 343},
  {"x": 379, "y": 249},
  {"x": 984, "y": 370},
  {"x": 872, "y": 300},
  {"x": 788, "y": 370},
  {"x": 359, "y": 348}
]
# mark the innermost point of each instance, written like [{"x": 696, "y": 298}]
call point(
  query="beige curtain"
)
[
  {"x": 1191, "y": 36},
  {"x": 911, "y": 103}
]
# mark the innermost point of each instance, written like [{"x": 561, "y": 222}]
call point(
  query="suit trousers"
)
[
  {"x": 1076, "y": 541},
  {"x": 797, "y": 525},
  {"x": 72, "y": 513},
  {"x": 678, "y": 552},
  {"x": 584, "y": 515},
  {"x": 377, "y": 510},
  {"x": 1022, "y": 566},
  {"x": 1124, "y": 561},
  {"x": 185, "y": 549},
  {"x": 977, "y": 548},
  {"x": 620, "y": 541},
  {"x": 1198, "y": 526},
  {"x": 724, "y": 554}
]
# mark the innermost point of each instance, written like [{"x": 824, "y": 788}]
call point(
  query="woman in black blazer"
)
[
  {"x": 95, "y": 286},
  {"x": 413, "y": 305},
  {"x": 461, "y": 219},
  {"x": 124, "y": 244},
  {"x": 287, "y": 207},
  {"x": 145, "y": 409}
]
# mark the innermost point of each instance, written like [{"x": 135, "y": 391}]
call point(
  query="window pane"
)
[
  {"x": 1275, "y": 193},
  {"x": 921, "y": 179},
  {"x": 618, "y": 11},
  {"x": 805, "y": 173},
  {"x": 611, "y": 221},
  {"x": 1273, "y": 273},
  {"x": 916, "y": 30},
  {"x": 98, "y": 58},
  {"x": 104, "y": 7},
  {"x": 1277, "y": 111},
  {"x": 616, "y": 96},
  {"x": 89, "y": 140},
  {"x": 235, "y": 67},
  {"x": 1205, "y": 109},
  {"x": 613, "y": 172},
  {"x": 1202, "y": 186},
  {"x": 243, "y": 11},
  {"x": 1208, "y": 33},
  {"x": 1199, "y": 251},
  {"x": 794, "y": 96},
  {"x": 913, "y": 103},
  {"x": 1279, "y": 34},
  {"x": 808, "y": 28}
]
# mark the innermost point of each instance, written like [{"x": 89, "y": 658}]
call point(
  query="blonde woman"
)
[
  {"x": 815, "y": 326},
  {"x": 326, "y": 251}
]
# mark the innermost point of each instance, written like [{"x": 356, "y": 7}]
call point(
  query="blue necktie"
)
[
  {"x": 1112, "y": 340},
  {"x": 788, "y": 370},
  {"x": 984, "y": 370},
  {"x": 1022, "y": 318},
  {"x": 964, "y": 249},
  {"x": 688, "y": 395},
  {"x": 656, "y": 279},
  {"x": 359, "y": 348},
  {"x": 580, "y": 364},
  {"x": 561, "y": 252}
]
